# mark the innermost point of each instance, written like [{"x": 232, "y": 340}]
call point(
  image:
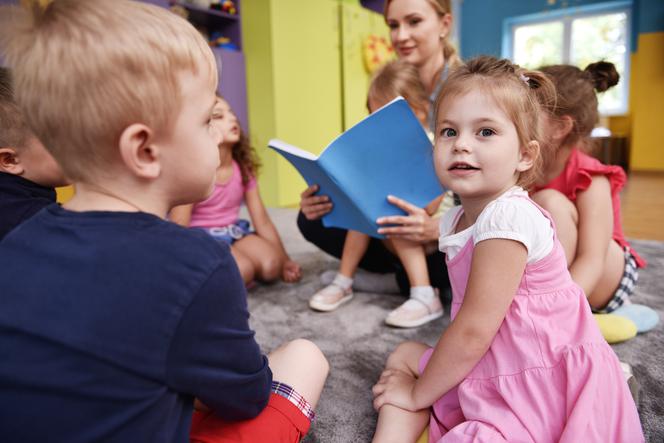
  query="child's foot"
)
[
  {"x": 416, "y": 311},
  {"x": 333, "y": 295},
  {"x": 365, "y": 281}
]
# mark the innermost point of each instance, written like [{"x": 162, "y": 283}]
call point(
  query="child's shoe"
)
[
  {"x": 365, "y": 281},
  {"x": 632, "y": 383},
  {"x": 333, "y": 295},
  {"x": 422, "y": 307}
]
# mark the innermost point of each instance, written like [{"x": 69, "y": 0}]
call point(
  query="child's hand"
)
[
  {"x": 314, "y": 206},
  {"x": 417, "y": 226},
  {"x": 395, "y": 388},
  {"x": 291, "y": 272}
]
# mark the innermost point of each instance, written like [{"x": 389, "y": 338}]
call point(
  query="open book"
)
[{"x": 386, "y": 153}]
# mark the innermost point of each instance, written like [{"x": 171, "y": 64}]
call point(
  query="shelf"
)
[{"x": 211, "y": 12}]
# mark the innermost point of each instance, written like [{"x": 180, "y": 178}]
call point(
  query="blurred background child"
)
[
  {"x": 28, "y": 173},
  {"x": 395, "y": 79},
  {"x": 259, "y": 254},
  {"x": 583, "y": 195}
]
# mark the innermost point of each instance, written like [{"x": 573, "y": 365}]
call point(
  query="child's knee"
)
[
  {"x": 271, "y": 266},
  {"x": 245, "y": 266},
  {"x": 304, "y": 350},
  {"x": 550, "y": 198},
  {"x": 405, "y": 356}
]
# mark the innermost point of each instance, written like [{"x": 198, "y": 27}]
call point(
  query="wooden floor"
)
[{"x": 643, "y": 206}]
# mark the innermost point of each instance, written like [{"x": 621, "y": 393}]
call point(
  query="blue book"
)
[{"x": 386, "y": 153}]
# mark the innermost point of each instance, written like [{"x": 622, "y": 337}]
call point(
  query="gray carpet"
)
[{"x": 356, "y": 342}]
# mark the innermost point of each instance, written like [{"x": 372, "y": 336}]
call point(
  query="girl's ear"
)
[
  {"x": 527, "y": 156},
  {"x": 138, "y": 152},
  {"x": 562, "y": 127},
  {"x": 10, "y": 161}
]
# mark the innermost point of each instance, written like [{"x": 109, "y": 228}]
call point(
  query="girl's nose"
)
[{"x": 461, "y": 145}]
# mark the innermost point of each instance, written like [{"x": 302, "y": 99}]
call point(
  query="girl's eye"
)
[
  {"x": 393, "y": 25},
  {"x": 448, "y": 132},
  {"x": 487, "y": 132},
  {"x": 414, "y": 21}
]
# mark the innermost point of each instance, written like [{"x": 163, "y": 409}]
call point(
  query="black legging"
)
[{"x": 377, "y": 258}]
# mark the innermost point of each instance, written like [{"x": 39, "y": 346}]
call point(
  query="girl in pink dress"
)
[
  {"x": 523, "y": 359},
  {"x": 259, "y": 254}
]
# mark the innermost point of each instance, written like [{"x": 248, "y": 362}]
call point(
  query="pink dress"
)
[{"x": 549, "y": 376}]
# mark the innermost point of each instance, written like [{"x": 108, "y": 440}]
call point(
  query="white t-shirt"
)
[{"x": 508, "y": 217}]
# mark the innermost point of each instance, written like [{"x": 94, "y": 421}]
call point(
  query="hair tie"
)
[{"x": 525, "y": 79}]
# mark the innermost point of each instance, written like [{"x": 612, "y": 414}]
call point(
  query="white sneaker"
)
[
  {"x": 415, "y": 312},
  {"x": 330, "y": 298}
]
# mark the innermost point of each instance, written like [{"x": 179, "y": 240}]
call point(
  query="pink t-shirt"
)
[{"x": 223, "y": 206}]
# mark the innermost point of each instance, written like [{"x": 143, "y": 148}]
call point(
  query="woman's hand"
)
[
  {"x": 395, "y": 388},
  {"x": 314, "y": 206},
  {"x": 417, "y": 226},
  {"x": 291, "y": 271}
]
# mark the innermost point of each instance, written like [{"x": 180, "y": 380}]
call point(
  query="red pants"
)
[{"x": 280, "y": 422}]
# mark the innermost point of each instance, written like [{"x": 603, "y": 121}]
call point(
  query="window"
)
[{"x": 577, "y": 36}]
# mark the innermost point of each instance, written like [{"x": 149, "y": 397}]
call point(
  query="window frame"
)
[{"x": 566, "y": 16}]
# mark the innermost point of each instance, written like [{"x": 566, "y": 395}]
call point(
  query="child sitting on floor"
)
[
  {"x": 583, "y": 197},
  {"x": 113, "y": 320},
  {"x": 259, "y": 254},
  {"x": 522, "y": 359},
  {"x": 394, "y": 79},
  {"x": 28, "y": 173}
]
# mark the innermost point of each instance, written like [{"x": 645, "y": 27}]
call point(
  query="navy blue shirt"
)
[
  {"x": 112, "y": 322},
  {"x": 20, "y": 199}
]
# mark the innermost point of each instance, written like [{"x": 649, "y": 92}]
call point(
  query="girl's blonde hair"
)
[
  {"x": 576, "y": 94},
  {"x": 441, "y": 7},
  {"x": 400, "y": 78},
  {"x": 520, "y": 93},
  {"x": 87, "y": 69}
]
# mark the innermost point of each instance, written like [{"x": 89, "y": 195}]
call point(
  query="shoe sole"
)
[
  {"x": 326, "y": 307},
  {"x": 414, "y": 323}
]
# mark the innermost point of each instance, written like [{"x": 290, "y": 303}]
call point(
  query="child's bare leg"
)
[
  {"x": 566, "y": 218},
  {"x": 302, "y": 366},
  {"x": 244, "y": 264},
  {"x": 355, "y": 246},
  {"x": 414, "y": 260},
  {"x": 614, "y": 267},
  {"x": 265, "y": 258},
  {"x": 423, "y": 305},
  {"x": 395, "y": 424}
]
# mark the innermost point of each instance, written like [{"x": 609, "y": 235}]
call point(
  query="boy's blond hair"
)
[
  {"x": 87, "y": 69},
  {"x": 14, "y": 132}
]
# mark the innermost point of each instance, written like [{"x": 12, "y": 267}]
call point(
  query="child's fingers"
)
[
  {"x": 403, "y": 204},
  {"x": 309, "y": 191}
]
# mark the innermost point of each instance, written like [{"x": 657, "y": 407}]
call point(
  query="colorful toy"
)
[
  {"x": 220, "y": 41},
  {"x": 377, "y": 51},
  {"x": 226, "y": 6}
]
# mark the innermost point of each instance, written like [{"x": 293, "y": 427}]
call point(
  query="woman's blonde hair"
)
[
  {"x": 441, "y": 7},
  {"x": 400, "y": 78},
  {"x": 87, "y": 69},
  {"x": 520, "y": 93}
]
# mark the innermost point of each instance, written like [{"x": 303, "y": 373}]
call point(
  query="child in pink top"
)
[
  {"x": 260, "y": 254},
  {"x": 523, "y": 359}
]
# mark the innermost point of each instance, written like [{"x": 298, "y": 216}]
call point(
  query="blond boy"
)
[{"x": 112, "y": 319}]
